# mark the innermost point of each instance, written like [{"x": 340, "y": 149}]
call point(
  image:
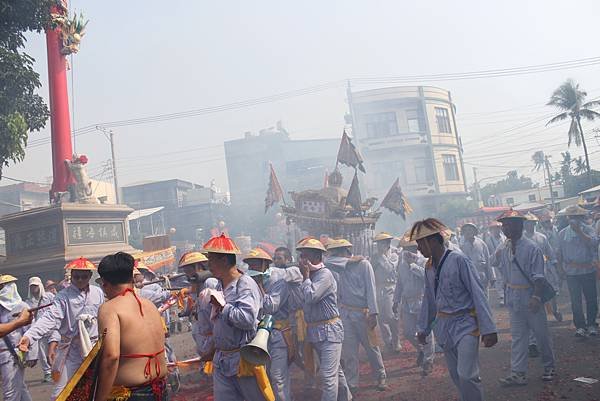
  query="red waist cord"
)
[{"x": 157, "y": 383}]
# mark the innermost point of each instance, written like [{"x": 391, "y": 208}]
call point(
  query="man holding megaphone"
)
[{"x": 235, "y": 324}]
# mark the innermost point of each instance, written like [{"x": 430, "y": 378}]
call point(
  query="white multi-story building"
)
[{"x": 409, "y": 132}]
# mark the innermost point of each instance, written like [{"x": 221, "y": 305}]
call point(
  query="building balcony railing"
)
[{"x": 408, "y": 139}]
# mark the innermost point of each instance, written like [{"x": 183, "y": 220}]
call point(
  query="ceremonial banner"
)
[
  {"x": 395, "y": 200},
  {"x": 82, "y": 385},
  {"x": 157, "y": 259},
  {"x": 274, "y": 192},
  {"x": 348, "y": 154},
  {"x": 353, "y": 198}
]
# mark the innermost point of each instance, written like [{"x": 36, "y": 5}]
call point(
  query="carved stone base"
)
[{"x": 39, "y": 242}]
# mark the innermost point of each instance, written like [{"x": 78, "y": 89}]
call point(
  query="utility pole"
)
[
  {"x": 476, "y": 187},
  {"x": 111, "y": 138},
  {"x": 547, "y": 165},
  {"x": 114, "y": 166}
]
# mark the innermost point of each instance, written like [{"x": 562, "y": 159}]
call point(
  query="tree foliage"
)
[
  {"x": 512, "y": 182},
  {"x": 21, "y": 109},
  {"x": 573, "y": 175},
  {"x": 571, "y": 100}
]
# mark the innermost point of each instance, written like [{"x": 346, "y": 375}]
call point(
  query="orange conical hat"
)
[
  {"x": 222, "y": 244},
  {"x": 80, "y": 264}
]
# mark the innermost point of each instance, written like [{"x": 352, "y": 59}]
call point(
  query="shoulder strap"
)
[
  {"x": 439, "y": 270},
  {"x": 516, "y": 262}
]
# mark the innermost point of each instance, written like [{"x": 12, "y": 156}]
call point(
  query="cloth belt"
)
[
  {"x": 472, "y": 312},
  {"x": 281, "y": 325},
  {"x": 355, "y": 308},
  {"x": 122, "y": 393},
  {"x": 518, "y": 286},
  {"x": 229, "y": 351},
  {"x": 320, "y": 322}
]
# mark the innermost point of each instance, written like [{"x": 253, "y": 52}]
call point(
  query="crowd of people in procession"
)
[{"x": 323, "y": 307}]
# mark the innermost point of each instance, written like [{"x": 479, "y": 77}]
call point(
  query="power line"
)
[
  {"x": 331, "y": 85},
  {"x": 532, "y": 69}
]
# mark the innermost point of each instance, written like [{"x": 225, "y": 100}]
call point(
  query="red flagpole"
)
[{"x": 60, "y": 123}]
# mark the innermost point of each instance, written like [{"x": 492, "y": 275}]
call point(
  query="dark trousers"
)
[{"x": 583, "y": 284}]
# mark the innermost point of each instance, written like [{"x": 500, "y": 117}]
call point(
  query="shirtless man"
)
[{"x": 129, "y": 361}]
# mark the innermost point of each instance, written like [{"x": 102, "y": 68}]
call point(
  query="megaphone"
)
[{"x": 256, "y": 351}]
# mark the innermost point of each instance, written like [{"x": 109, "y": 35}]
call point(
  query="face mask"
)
[{"x": 314, "y": 268}]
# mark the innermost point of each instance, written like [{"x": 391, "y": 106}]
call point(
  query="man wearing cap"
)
[
  {"x": 454, "y": 307},
  {"x": 522, "y": 264},
  {"x": 358, "y": 308},
  {"x": 195, "y": 266},
  {"x": 324, "y": 331},
  {"x": 234, "y": 325},
  {"x": 12, "y": 367},
  {"x": 278, "y": 303},
  {"x": 37, "y": 297},
  {"x": 476, "y": 250},
  {"x": 550, "y": 262},
  {"x": 385, "y": 267},
  {"x": 409, "y": 296},
  {"x": 72, "y": 319},
  {"x": 577, "y": 250}
]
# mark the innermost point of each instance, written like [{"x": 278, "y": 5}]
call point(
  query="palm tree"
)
[
  {"x": 580, "y": 166},
  {"x": 540, "y": 161},
  {"x": 570, "y": 99},
  {"x": 565, "y": 165}
]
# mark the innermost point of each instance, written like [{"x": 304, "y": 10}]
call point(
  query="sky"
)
[{"x": 144, "y": 58}]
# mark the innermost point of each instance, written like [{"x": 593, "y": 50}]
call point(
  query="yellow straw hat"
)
[
  {"x": 382, "y": 236},
  {"x": 338, "y": 243},
  {"x": 310, "y": 243},
  {"x": 257, "y": 253},
  {"x": 189, "y": 258},
  {"x": 7, "y": 278}
]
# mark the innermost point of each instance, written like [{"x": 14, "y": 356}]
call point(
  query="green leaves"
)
[{"x": 21, "y": 109}]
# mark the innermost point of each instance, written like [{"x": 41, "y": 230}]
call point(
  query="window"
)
[
  {"x": 422, "y": 172},
  {"x": 412, "y": 119},
  {"x": 450, "y": 167},
  {"x": 532, "y": 198},
  {"x": 381, "y": 125},
  {"x": 555, "y": 194},
  {"x": 443, "y": 120}
]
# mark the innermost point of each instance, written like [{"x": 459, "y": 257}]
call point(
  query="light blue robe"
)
[
  {"x": 320, "y": 305},
  {"x": 522, "y": 321},
  {"x": 356, "y": 283},
  {"x": 61, "y": 321},
  {"x": 279, "y": 303},
  {"x": 572, "y": 249},
  {"x": 459, "y": 293},
  {"x": 234, "y": 327},
  {"x": 12, "y": 375}
]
